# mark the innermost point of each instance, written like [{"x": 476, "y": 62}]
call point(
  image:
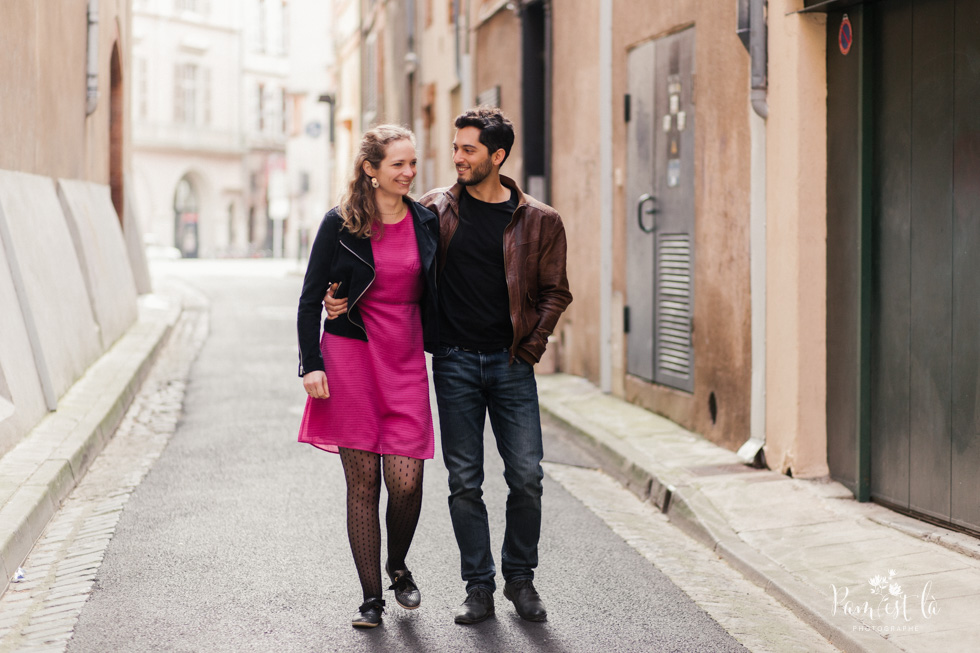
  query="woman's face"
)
[{"x": 397, "y": 169}]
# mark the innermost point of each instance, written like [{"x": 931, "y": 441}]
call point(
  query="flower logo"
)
[{"x": 893, "y": 603}]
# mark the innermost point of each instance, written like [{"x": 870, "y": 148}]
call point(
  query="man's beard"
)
[{"x": 477, "y": 174}]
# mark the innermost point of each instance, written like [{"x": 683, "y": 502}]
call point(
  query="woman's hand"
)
[
  {"x": 335, "y": 307},
  {"x": 315, "y": 384}
]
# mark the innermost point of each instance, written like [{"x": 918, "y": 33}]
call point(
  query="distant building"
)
[
  {"x": 311, "y": 98},
  {"x": 210, "y": 123}
]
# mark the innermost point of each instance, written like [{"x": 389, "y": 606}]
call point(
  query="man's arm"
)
[{"x": 553, "y": 293}]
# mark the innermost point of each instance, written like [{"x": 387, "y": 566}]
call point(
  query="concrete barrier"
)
[
  {"x": 49, "y": 283},
  {"x": 102, "y": 255},
  {"x": 21, "y": 398}
]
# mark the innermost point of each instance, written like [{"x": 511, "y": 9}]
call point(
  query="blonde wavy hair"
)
[{"x": 357, "y": 208}]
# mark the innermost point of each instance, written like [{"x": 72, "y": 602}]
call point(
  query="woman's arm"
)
[{"x": 314, "y": 288}]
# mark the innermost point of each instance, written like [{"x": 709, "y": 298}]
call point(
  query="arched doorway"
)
[
  {"x": 116, "y": 116},
  {"x": 186, "y": 206}
]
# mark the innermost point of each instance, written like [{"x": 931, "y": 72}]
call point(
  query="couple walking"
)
[{"x": 497, "y": 258}]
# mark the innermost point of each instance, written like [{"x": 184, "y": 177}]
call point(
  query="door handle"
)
[{"x": 646, "y": 197}]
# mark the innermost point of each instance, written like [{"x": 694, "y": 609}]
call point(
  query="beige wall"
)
[
  {"x": 42, "y": 106},
  {"x": 575, "y": 176},
  {"x": 796, "y": 424},
  {"x": 497, "y": 62},
  {"x": 434, "y": 112},
  {"x": 722, "y": 316}
]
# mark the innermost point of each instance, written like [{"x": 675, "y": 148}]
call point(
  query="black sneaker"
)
[
  {"x": 477, "y": 607},
  {"x": 407, "y": 592},
  {"x": 526, "y": 600},
  {"x": 369, "y": 614}
]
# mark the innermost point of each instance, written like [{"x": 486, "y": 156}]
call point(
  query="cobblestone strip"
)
[
  {"x": 40, "y": 612},
  {"x": 753, "y": 617}
]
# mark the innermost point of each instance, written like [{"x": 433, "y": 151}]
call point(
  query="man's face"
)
[{"x": 471, "y": 157}]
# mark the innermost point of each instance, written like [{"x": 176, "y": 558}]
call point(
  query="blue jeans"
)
[{"x": 469, "y": 385}]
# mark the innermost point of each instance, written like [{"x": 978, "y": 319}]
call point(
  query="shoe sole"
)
[
  {"x": 470, "y": 622},
  {"x": 365, "y": 625}
]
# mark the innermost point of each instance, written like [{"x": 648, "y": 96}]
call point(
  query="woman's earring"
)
[{"x": 374, "y": 182}]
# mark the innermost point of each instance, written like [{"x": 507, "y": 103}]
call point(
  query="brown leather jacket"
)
[{"x": 534, "y": 261}]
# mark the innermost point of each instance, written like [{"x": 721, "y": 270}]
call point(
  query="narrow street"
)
[{"x": 218, "y": 532}]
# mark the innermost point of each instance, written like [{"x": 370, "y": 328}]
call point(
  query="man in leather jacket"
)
[{"x": 502, "y": 287}]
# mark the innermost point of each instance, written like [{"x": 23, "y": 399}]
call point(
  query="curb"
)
[
  {"x": 47, "y": 464},
  {"x": 694, "y": 513}
]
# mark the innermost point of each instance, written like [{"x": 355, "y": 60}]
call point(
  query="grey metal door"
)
[
  {"x": 660, "y": 211},
  {"x": 925, "y": 348}
]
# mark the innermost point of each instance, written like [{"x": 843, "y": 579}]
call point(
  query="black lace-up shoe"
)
[
  {"x": 477, "y": 607},
  {"x": 407, "y": 592},
  {"x": 526, "y": 600},
  {"x": 369, "y": 614}
]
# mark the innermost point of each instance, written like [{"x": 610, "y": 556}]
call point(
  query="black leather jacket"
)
[{"x": 338, "y": 255}]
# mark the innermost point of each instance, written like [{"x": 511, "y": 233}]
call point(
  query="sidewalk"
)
[
  {"x": 44, "y": 467},
  {"x": 808, "y": 543}
]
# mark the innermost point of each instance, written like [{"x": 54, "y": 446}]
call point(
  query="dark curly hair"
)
[{"x": 496, "y": 131}]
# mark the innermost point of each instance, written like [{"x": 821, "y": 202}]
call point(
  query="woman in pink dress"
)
[{"x": 366, "y": 378}]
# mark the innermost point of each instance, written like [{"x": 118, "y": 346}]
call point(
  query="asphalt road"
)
[{"x": 235, "y": 540}]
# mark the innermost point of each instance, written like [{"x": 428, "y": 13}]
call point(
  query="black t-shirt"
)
[{"x": 474, "y": 308}]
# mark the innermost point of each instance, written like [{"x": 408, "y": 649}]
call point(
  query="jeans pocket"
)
[{"x": 442, "y": 353}]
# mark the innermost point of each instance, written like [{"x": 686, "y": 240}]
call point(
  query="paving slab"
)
[{"x": 866, "y": 578}]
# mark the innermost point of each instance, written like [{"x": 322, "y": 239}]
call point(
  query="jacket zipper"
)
[{"x": 373, "y": 276}]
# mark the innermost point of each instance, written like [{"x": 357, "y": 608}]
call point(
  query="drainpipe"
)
[
  {"x": 605, "y": 194},
  {"x": 752, "y": 451},
  {"x": 92, "y": 63},
  {"x": 548, "y": 100},
  {"x": 759, "y": 51}
]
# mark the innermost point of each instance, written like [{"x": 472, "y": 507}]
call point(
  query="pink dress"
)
[{"x": 379, "y": 389}]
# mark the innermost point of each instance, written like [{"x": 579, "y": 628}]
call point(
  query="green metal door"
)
[{"x": 925, "y": 293}]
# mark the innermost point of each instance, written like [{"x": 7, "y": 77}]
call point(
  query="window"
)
[
  {"x": 284, "y": 32},
  {"x": 206, "y": 96},
  {"x": 185, "y": 93},
  {"x": 196, "y": 6},
  {"x": 262, "y": 34},
  {"x": 142, "y": 89},
  {"x": 370, "y": 76},
  {"x": 296, "y": 116},
  {"x": 284, "y": 107},
  {"x": 260, "y": 108},
  {"x": 192, "y": 94}
]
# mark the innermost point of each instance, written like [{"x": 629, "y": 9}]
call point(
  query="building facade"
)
[
  {"x": 770, "y": 211},
  {"x": 210, "y": 123},
  {"x": 310, "y": 145}
]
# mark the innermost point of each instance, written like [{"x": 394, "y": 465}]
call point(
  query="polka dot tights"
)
[{"x": 403, "y": 480}]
